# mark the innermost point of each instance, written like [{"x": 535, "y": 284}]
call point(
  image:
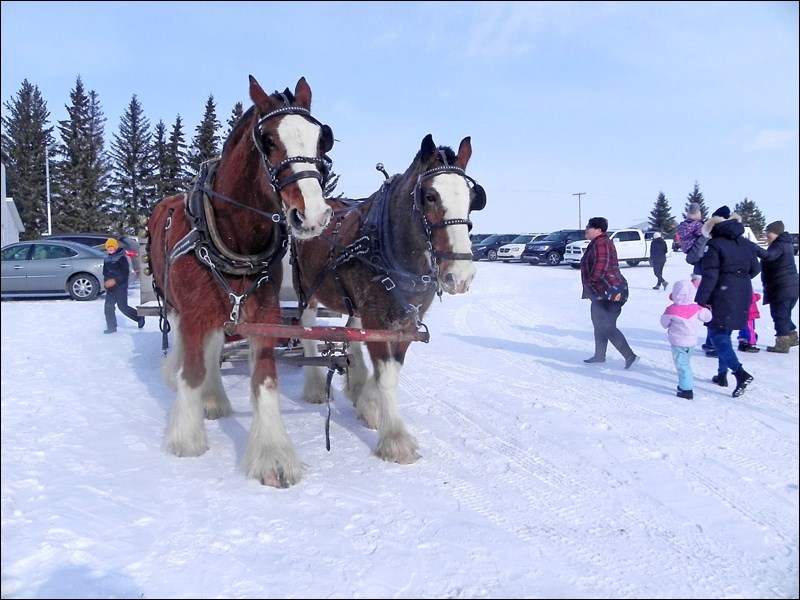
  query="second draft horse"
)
[
  {"x": 383, "y": 261},
  {"x": 216, "y": 257}
]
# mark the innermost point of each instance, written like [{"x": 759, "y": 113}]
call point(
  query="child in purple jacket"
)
[{"x": 682, "y": 319}]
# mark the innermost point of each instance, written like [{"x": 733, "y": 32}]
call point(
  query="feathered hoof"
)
[{"x": 400, "y": 448}]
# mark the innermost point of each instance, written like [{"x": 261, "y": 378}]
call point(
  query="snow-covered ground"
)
[{"x": 540, "y": 476}]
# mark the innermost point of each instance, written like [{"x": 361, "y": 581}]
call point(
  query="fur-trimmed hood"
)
[{"x": 712, "y": 222}]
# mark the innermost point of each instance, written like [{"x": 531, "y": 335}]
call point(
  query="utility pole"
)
[
  {"x": 47, "y": 183},
  {"x": 580, "y": 220}
]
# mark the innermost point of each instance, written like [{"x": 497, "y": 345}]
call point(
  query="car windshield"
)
[
  {"x": 554, "y": 237},
  {"x": 522, "y": 239},
  {"x": 491, "y": 239}
]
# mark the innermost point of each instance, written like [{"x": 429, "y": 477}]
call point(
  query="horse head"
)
[
  {"x": 444, "y": 196},
  {"x": 293, "y": 145}
]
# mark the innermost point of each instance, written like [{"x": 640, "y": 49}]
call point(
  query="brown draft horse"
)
[
  {"x": 216, "y": 258},
  {"x": 383, "y": 260}
]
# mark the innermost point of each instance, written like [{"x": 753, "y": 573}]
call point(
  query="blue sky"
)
[{"x": 619, "y": 101}]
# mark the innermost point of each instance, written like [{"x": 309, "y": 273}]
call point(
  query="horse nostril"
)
[{"x": 296, "y": 218}]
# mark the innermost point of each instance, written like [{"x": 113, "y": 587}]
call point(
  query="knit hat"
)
[
  {"x": 656, "y": 235},
  {"x": 722, "y": 211},
  {"x": 112, "y": 243},
  {"x": 694, "y": 209},
  {"x": 600, "y": 223},
  {"x": 776, "y": 227}
]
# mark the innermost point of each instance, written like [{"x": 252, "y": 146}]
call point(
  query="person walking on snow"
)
[
  {"x": 780, "y": 279},
  {"x": 683, "y": 319},
  {"x": 658, "y": 258},
  {"x": 115, "y": 279},
  {"x": 729, "y": 263}
]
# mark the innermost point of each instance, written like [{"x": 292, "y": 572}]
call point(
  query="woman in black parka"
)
[
  {"x": 729, "y": 263},
  {"x": 780, "y": 279}
]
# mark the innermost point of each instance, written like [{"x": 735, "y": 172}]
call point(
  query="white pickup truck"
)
[{"x": 633, "y": 247}]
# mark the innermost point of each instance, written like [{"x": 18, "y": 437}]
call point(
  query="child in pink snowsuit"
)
[
  {"x": 748, "y": 337},
  {"x": 683, "y": 319}
]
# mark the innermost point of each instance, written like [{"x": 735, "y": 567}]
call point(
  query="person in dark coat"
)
[
  {"x": 658, "y": 258},
  {"x": 729, "y": 263},
  {"x": 115, "y": 279},
  {"x": 605, "y": 286},
  {"x": 780, "y": 279}
]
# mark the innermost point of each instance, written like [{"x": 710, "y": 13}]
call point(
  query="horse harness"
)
[
  {"x": 204, "y": 238},
  {"x": 374, "y": 248}
]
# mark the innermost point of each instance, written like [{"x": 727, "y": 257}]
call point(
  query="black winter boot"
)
[
  {"x": 721, "y": 379},
  {"x": 687, "y": 394},
  {"x": 743, "y": 378}
]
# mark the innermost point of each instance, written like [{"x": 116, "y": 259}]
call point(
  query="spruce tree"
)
[
  {"x": 751, "y": 216},
  {"x": 25, "y": 139},
  {"x": 661, "y": 218},
  {"x": 81, "y": 193},
  {"x": 236, "y": 114},
  {"x": 696, "y": 196},
  {"x": 160, "y": 160},
  {"x": 178, "y": 173},
  {"x": 205, "y": 145},
  {"x": 133, "y": 179}
]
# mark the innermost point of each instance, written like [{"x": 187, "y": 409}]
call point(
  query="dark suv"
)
[
  {"x": 98, "y": 240},
  {"x": 550, "y": 250},
  {"x": 487, "y": 248}
]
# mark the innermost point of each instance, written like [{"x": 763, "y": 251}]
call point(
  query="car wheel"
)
[
  {"x": 83, "y": 287},
  {"x": 554, "y": 259},
  {"x": 575, "y": 265},
  {"x": 632, "y": 263},
  {"x": 491, "y": 255}
]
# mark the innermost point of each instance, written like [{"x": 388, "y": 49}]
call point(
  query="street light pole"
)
[
  {"x": 580, "y": 220},
  {"x": 47, "y": 184}
]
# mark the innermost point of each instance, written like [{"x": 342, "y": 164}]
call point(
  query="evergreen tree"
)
[
  {"x": 161, "y": 160},
  {"x": 751, "y": 216},
  {"x": 133, "y": 179},
  {"x": 25, "y": 140},
  {"x": 81, "y": 194},
  {"x": 205, "y": 145},
  {"x": 178, "y": 174},
  {"x": 661, "y": 218},
  {"x": 696, "y": 196},
  {"x": 236, "y": 114}
]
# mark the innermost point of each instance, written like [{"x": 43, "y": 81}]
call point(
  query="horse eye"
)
[{"x": 430, "y": 197}]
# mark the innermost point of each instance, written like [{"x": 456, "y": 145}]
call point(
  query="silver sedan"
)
[{"x": 51, "y": 268}]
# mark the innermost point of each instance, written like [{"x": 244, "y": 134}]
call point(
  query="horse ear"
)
[
  {"x": 464, "y": 152},
  {"x": 302, "y": 93},
  {"x": 427, "y": 148},
  {"x": 257, "y": 94}
]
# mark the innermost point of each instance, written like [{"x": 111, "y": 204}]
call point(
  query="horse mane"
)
[
  {"x": 240, "y": 128},
  {"x": 449, "y": 155}
]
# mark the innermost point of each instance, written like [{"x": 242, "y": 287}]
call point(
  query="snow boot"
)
[
  {"x": 743, "y": 379},
  {"x": 721, "y": 379},
  {"x": 782, "y": 345},
  {"x": 687, "y": 394},
  {"x": 745, "y": 347},
  {"x": 793, "y": 341}
]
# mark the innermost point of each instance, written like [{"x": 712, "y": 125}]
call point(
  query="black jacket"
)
[
  {"x": 115, "y": 266},
  {"x": 658, "y": 250},
  {"x": 778, "y": 270},
  {"x": 729, "y": 263}
]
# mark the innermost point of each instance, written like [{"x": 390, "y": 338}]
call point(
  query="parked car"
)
[
  {"x": 97, "y": 240},
  {"x": 550, "y": 249},
  {"x": 513, "y": 250},
  {"x": 488, "y": 247},
  {"x": 478, "y": 237},
  {"x": 48, "y": 268}
]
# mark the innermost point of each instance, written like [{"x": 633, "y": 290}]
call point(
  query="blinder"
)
[{"x": 325, "y": 143}]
